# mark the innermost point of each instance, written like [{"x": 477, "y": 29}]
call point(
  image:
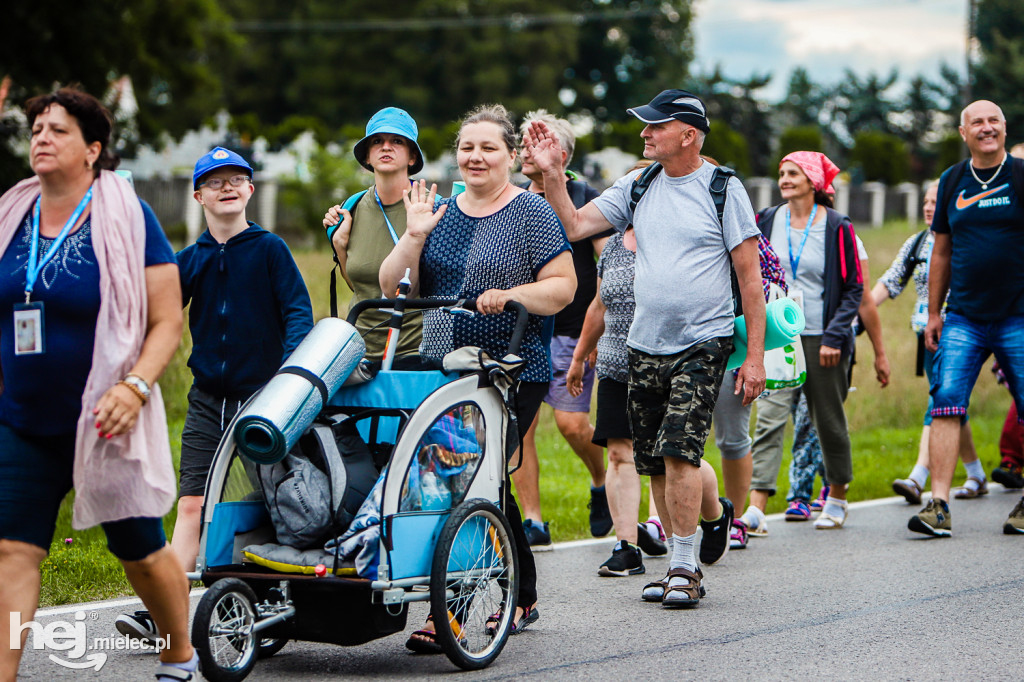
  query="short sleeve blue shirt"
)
[
  {"x": 465, "y": 256},
  {"x": 43, "y": 393}
]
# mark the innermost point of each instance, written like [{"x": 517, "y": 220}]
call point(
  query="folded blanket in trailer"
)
[{"x": 287, "y": 559}]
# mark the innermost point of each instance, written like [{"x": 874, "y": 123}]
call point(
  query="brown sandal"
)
[
  {"x": 683, "y": 596},
  {"x": 965, "y": 493},
  {"x": 661, "y": 584},
  {"x": 908, "y": 488}
]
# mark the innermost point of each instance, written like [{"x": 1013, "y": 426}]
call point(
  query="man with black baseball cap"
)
[
  {"x": 679, "y": 105},
  {"x": 681, "y": 336}
]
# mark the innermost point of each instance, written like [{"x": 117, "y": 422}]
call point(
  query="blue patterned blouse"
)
[{"x": 465, "y": 256}]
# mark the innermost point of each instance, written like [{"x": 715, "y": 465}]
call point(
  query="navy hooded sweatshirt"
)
[{"x": 250, "y": 309}]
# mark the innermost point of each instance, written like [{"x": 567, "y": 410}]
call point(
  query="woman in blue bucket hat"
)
[{"x": 367, "y": 226}]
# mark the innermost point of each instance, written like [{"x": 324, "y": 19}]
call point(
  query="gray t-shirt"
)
[
  {"x": 810, "y": 275},
  {"x": 682, "y": 287}
]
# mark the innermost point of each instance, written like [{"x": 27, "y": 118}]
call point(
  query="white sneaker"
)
[{"x": 757, "y": 523}]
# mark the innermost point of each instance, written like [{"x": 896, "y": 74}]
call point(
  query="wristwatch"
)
[{"x": 138, "y": 386}]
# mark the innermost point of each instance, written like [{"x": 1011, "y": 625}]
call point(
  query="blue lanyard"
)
[
  {"x": 391, "y": 229},
  {"x": 34, "y": 266},
  {"x": 794, "y": 261}
]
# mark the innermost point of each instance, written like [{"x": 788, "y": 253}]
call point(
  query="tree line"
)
[{"x": 280, "y": 67}]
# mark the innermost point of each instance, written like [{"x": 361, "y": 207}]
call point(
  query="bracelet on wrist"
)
[
  {"x": 135, "y": 389},
  {"x": 138, "y": 386}
]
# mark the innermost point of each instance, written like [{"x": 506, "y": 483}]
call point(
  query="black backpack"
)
[
  {"x": 717, "y": 187},
  {"x": 350, "y": 206},
  {"x": 914, "y": 257}
]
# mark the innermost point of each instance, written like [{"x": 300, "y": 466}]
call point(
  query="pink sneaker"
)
[
  {"x": 654, "y": 521},
  {"x": 819, "y": 501},
  {"x": 738, "y": 535},
  {"x": 798, "y": 511}
]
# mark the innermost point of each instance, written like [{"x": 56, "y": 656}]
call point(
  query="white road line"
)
[
  {"x": 102, "y": 605},
  {"x": 135, "y": 601}
]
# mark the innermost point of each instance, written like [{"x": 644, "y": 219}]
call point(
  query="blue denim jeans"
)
[
  {"x": 964, "y": 347},
  {"x": 929, "y": 363}
]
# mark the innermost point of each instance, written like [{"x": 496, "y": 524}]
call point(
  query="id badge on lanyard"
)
[
  {"x": 29, "y": 335},
  {"x": 29, "y": 317},
  {"x": 919, "y": 318},
  {"x": 797, "y": 296}
]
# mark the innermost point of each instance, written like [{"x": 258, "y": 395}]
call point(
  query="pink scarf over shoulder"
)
[{"x": 129, "y": 475}]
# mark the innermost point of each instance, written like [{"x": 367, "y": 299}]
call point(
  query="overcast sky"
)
[{"x": 827, "y": 36}]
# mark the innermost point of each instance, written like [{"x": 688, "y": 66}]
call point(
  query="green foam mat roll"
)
[{"x": 784, "y": 321}]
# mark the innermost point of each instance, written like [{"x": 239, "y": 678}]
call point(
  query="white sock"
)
[
  {"x": 919, "y": 475},
  {"x": 753, "y": 517},
  {"x": 975, "y": 470},
  {"x": 682, "y": 552},
  {"x": 835, "y": 507}
]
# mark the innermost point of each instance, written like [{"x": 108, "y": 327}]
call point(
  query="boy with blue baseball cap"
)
[{"x": 249, "y": 311}]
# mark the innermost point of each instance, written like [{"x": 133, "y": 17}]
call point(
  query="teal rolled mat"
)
[
  {"x": 278, "y": 414},
  {"x": 784, "y": 321}
]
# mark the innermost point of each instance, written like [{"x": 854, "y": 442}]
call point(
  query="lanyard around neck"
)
[
  {"x": 794, "y": 261},
  {"x": 391, "y": 228},
  {"x": 35, "y": 266}
]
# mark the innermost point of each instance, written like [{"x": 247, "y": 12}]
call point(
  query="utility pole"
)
[{"x": 972, "y": 47}]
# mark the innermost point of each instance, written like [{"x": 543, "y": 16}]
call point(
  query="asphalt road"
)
[{"x": 872, "y": 601}]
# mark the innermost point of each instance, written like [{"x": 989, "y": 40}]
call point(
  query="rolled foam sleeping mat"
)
[
  {"x": 283, "y": 409},
  {"x": 784, "y": 321}
]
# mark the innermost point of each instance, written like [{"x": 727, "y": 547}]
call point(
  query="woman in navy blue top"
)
[
  {"x": 497, "y": 243},
  {"x": 90, "y": 316}
]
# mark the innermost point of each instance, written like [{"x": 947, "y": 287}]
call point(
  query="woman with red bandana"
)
[{"x": 818, "y": 251}]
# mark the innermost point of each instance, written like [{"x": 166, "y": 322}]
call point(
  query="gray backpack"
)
[{"x": 316, "y": 490}]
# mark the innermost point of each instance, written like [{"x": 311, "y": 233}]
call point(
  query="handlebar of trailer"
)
[{"x": 455, "y": 306}]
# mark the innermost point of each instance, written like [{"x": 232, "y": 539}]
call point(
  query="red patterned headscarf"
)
[{"x": 818, "y": 168}]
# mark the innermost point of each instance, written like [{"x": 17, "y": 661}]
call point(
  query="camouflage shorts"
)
[{"x": 671, "y": 398}]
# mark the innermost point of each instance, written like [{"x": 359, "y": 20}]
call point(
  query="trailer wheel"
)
[
  {"x": 473, "y": 584},
  {"x": 222, "y": 631}
]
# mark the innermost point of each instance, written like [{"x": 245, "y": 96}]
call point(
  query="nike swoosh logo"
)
[{"x": 962, "y": 203}]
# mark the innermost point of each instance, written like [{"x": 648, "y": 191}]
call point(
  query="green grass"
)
[{"x": 884, "y": 428}]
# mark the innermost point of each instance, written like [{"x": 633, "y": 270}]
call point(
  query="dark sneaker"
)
[
  {"x": 1008, "y": 475},
  {"x": 1015, "y": 523},
  {"x": 537, "y": 535},
  {"x": 650, "y": 544},
  {"x": 934, "y": 519},
  {"x": 714, "y": 542},
  {"x": 139, "y": 625},
  {"x": 600, "y": 515},
  {"x": 625, "y": 560}
]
